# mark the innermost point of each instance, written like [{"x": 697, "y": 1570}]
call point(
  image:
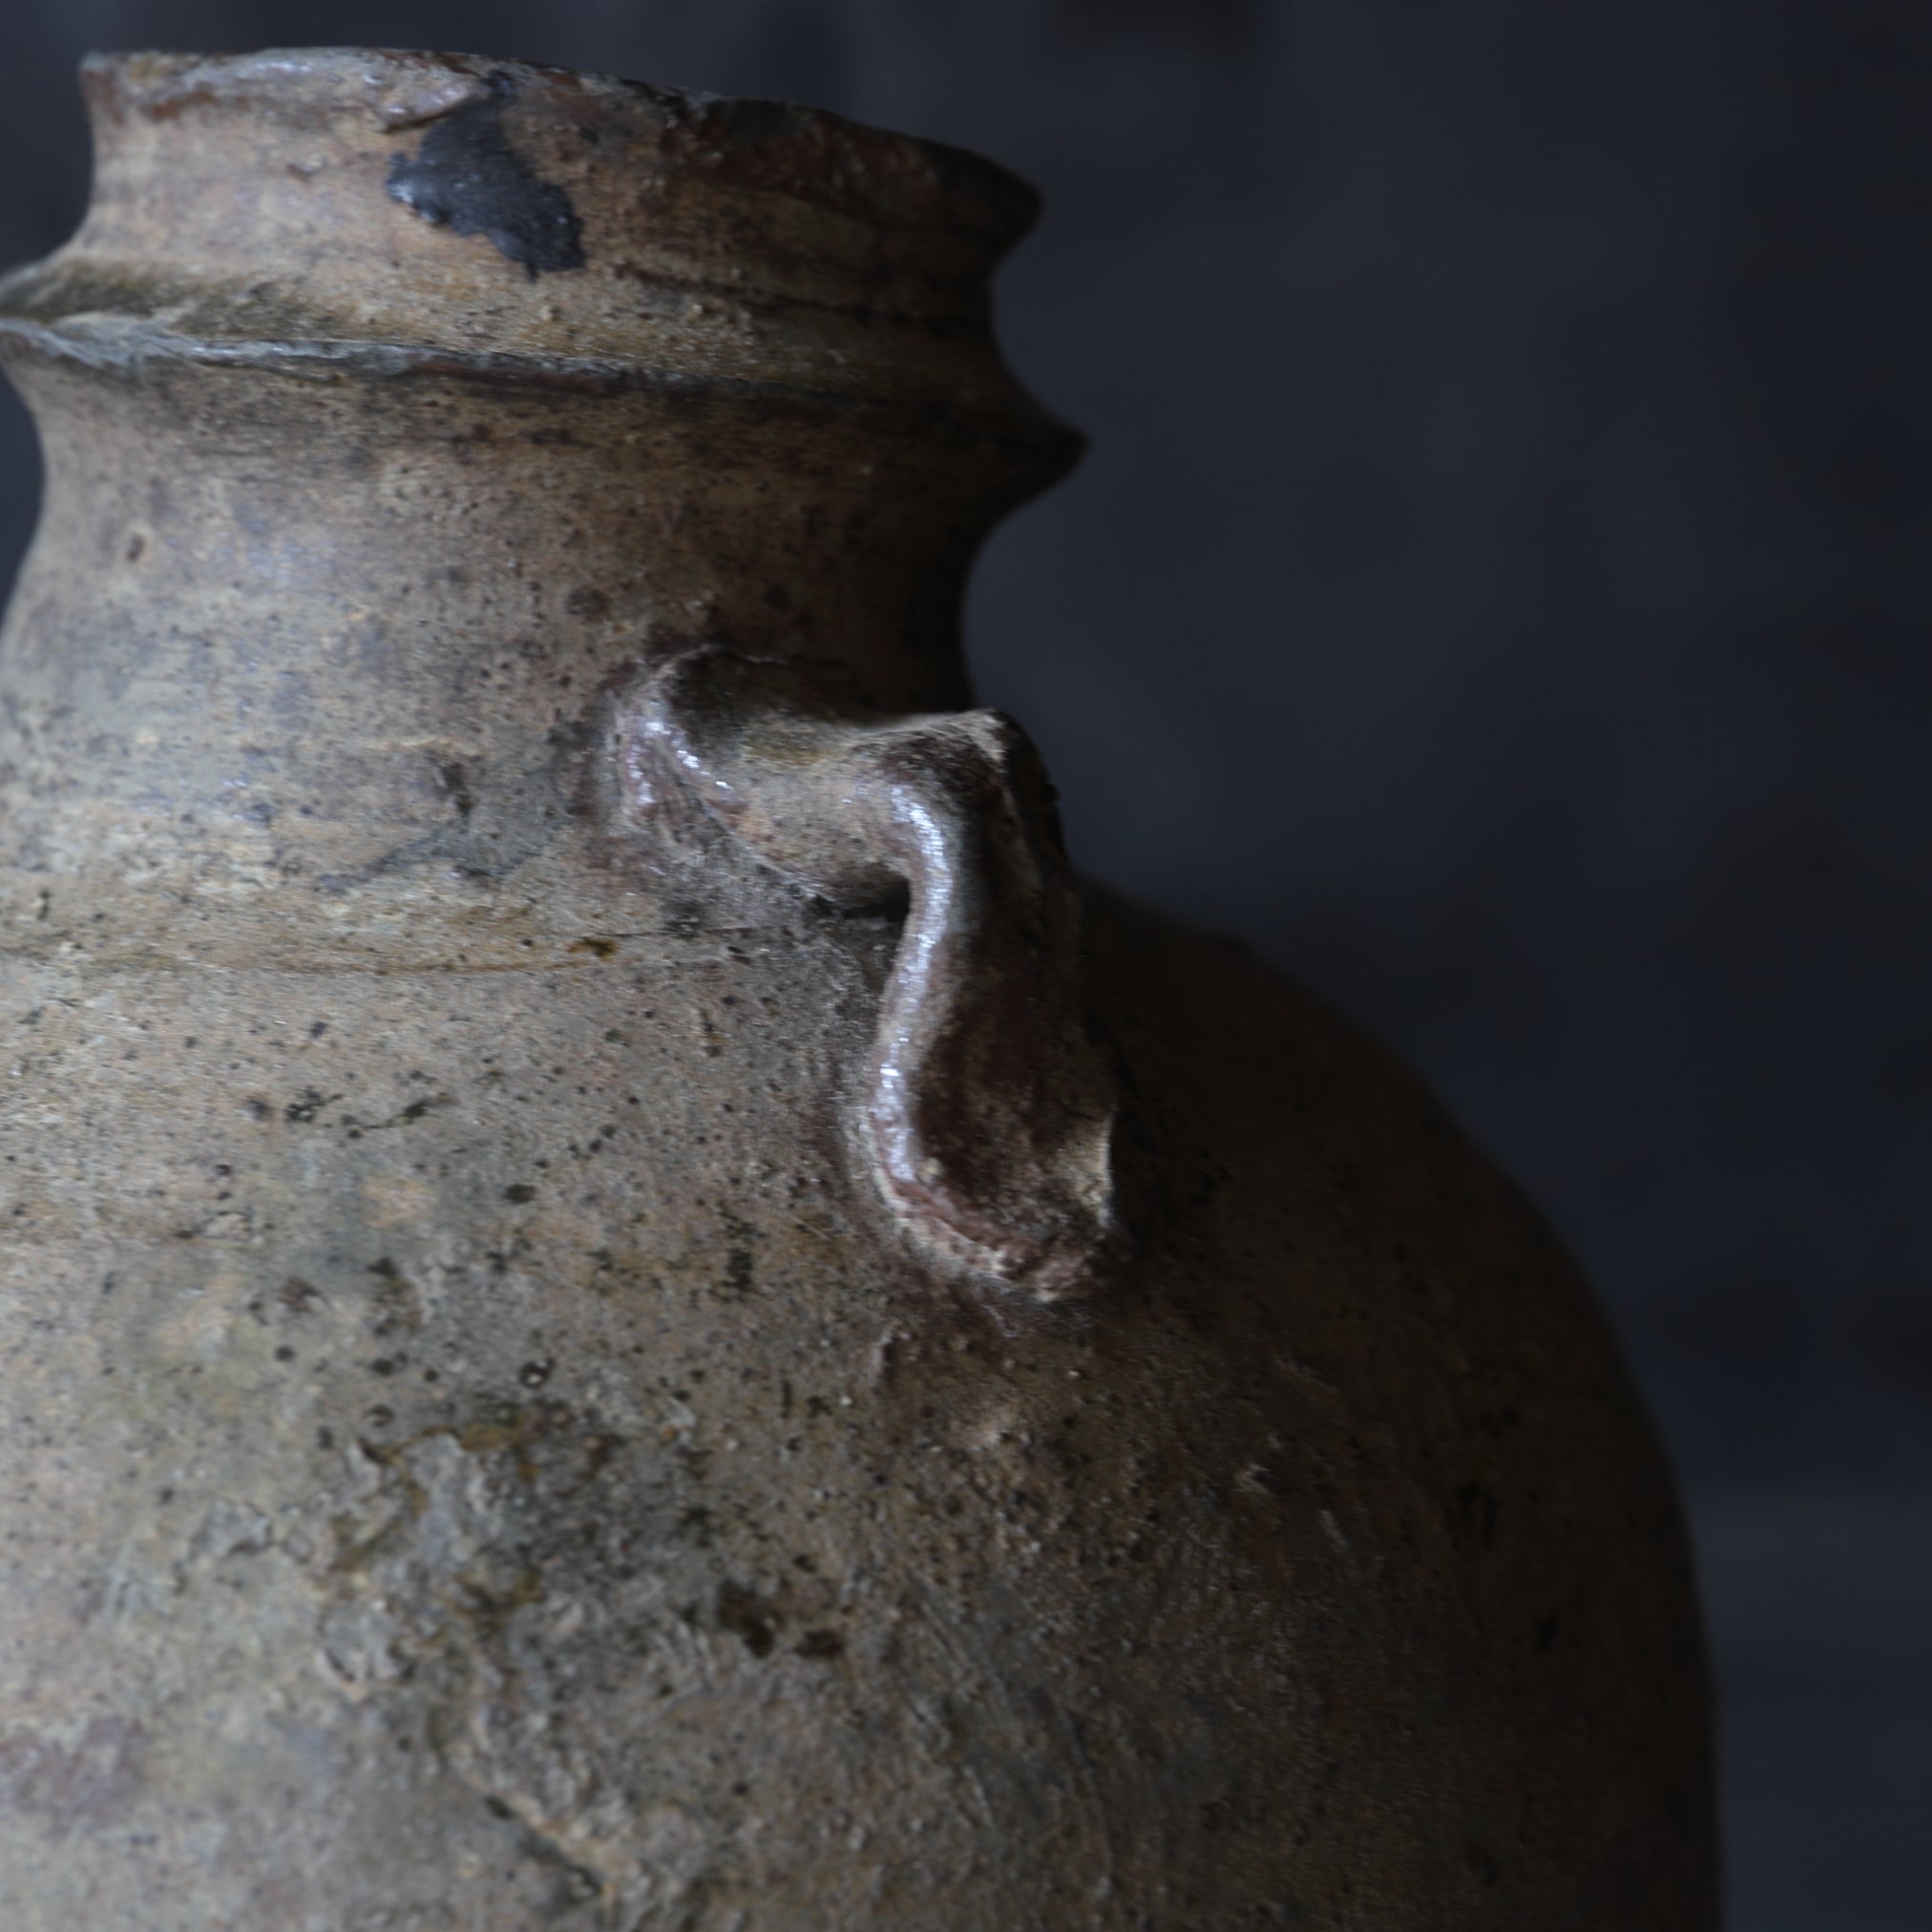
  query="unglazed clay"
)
[{"x": 621, "y": 1307}]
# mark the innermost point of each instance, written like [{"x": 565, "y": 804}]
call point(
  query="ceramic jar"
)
[{"x": 621, "y": 1306}]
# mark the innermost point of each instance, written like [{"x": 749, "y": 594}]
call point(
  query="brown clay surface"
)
[{"x": 480, "y": 1450}]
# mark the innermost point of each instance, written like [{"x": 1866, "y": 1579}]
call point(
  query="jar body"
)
[{"x": 472, "y": 1454}]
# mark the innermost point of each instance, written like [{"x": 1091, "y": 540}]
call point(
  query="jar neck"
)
[
  {"x": 305, "y": 623},
  {"x": 402, "y": 410}
]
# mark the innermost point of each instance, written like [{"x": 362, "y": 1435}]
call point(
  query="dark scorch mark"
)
[{"x": 467, "y": 178}]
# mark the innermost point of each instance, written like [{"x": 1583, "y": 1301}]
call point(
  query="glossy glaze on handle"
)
[{"x": 989, "y": 1109}]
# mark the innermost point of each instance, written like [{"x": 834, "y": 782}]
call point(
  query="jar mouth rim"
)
[
  {"x": 491, "y": 212},
  {"x": 891, "y": 177}
]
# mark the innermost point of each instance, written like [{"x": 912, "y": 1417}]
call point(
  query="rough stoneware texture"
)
[{"x": 485, "y": 1447}]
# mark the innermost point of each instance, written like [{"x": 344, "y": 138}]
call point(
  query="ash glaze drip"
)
[{"x": 468, "y": 177}]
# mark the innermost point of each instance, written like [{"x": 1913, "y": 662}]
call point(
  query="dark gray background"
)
[{"x": 1498, "y": 590}]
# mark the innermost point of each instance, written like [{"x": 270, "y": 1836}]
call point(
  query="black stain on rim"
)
[{"x": 467, "y": 178}]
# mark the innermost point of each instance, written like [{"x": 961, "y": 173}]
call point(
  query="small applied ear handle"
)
[{"x": 989, "y": 1109}]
